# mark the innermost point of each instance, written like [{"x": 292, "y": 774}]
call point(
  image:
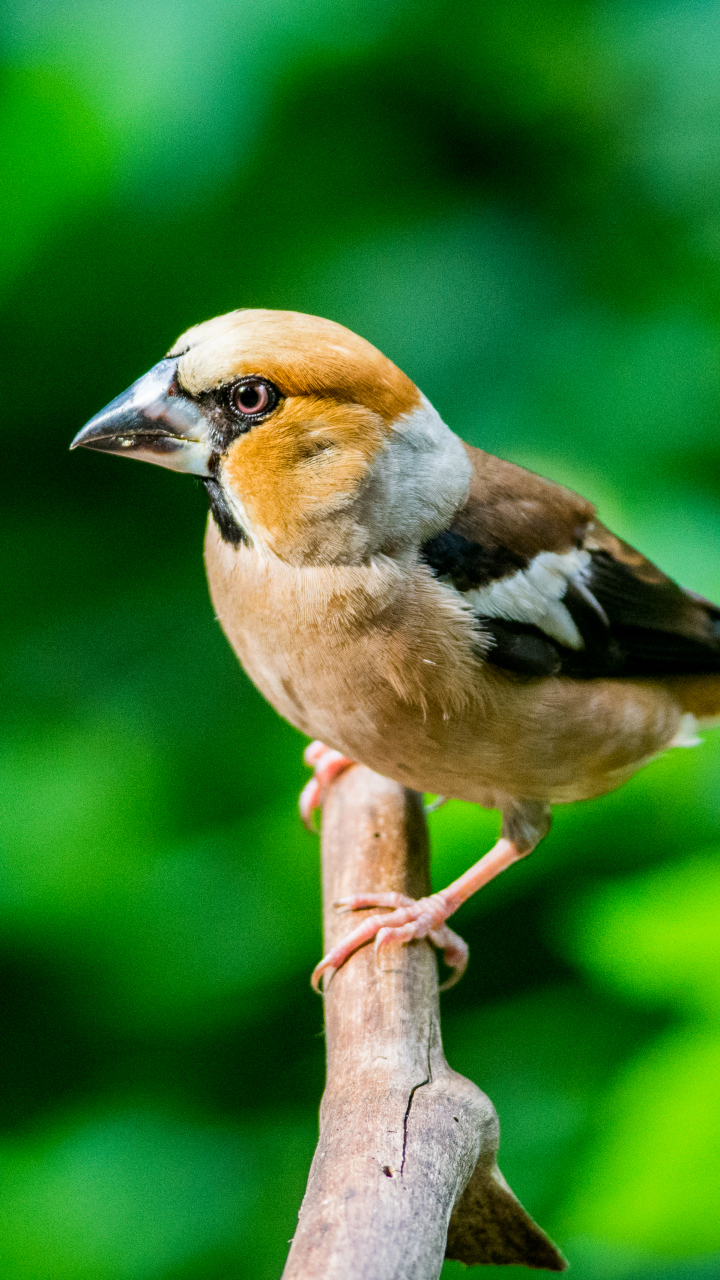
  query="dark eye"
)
[{"x": 253, "y": 396}]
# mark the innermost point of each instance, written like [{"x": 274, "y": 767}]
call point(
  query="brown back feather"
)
[{"x": 510, "y": 507}]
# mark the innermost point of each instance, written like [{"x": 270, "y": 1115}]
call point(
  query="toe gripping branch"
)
[
  {"x": 406, "y": 1144},
  {"x": 408, "y": 919},
  {"x": 524, "y": 824},
  {"x": 326, "y": 765}
]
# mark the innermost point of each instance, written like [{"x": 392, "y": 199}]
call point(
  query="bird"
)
[{"x": 410, "y": 602}]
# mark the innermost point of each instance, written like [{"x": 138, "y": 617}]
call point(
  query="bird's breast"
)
[
  {"x": 356, "y": 643},
  {"x": 381, "y": 662}
]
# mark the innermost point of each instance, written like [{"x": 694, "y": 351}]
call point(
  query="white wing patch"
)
[{"x": 534, "y": 595}]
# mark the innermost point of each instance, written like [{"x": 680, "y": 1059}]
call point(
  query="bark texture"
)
[{"x": 404, "y": 1173}]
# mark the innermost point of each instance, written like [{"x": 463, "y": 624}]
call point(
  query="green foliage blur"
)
[{"x": 517, "y": 200}]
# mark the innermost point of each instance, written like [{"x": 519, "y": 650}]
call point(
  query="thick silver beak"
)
[{"x": 154, "y": 421}]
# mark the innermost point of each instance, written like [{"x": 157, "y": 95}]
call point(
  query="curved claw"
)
[
  {"x": 426, "y": 916},
  {"x": 309, "y": 800},
  {"x": 408, "y": 919},
  {"x": 455, "y": 950},
  {"x": 327, "y": 764},
  {"x": 317, "y": 973},
  {"x": 455, "y": 954},
  {"x": 365, "y": 932}
]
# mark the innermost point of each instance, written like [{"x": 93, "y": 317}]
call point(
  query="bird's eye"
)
[{"x": 253, "y": 396}]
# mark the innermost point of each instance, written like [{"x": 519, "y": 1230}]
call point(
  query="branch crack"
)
[{"x": 413, "y": 1091}]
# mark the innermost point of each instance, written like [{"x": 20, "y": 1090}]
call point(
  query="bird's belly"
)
[
  {"x": 484, "y": 737},
  {"x": 465, "y": 754},
  {"x": 346, "y": 706},
  {"x": 560, "y": 755}
]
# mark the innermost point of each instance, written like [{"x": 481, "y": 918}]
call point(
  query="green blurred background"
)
[{"x": 518, "y": 201}]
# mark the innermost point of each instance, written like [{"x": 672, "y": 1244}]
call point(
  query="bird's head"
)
[{"x": 313, "y": 445}]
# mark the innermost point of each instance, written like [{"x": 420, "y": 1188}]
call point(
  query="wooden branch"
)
[{"x": 404, "y": 1173}]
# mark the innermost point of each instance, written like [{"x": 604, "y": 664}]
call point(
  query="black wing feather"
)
[
  {"x": 654, "y": 627},
  {"x": 634, "y": 621}
]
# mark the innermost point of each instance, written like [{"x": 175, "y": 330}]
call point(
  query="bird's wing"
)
[{"x": 557, "y": 592}]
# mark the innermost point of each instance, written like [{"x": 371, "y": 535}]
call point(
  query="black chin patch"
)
[{"x": 228, "y": 527}]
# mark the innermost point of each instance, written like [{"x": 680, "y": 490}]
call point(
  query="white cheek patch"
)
[{"x": 534, "y": 595}]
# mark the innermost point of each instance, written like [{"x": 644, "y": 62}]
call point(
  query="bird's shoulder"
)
[
  {"x": 557, "y": 592},
  {"x": 509, "y": 506}
]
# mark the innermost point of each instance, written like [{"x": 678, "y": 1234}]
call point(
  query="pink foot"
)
[
  {"x": 408, "y": 919},
  {"x": 326, "y": 765},
  {"x": 422, "y": 919}
]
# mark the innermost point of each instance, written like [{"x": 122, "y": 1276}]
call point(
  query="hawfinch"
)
[{"x": 453, "y": 621}]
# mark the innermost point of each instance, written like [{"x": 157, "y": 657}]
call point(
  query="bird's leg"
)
[
  {"x": 418, "y": 918},
  {"x": 326, "y": 765},
  {"x": 524, "y": 824}
]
